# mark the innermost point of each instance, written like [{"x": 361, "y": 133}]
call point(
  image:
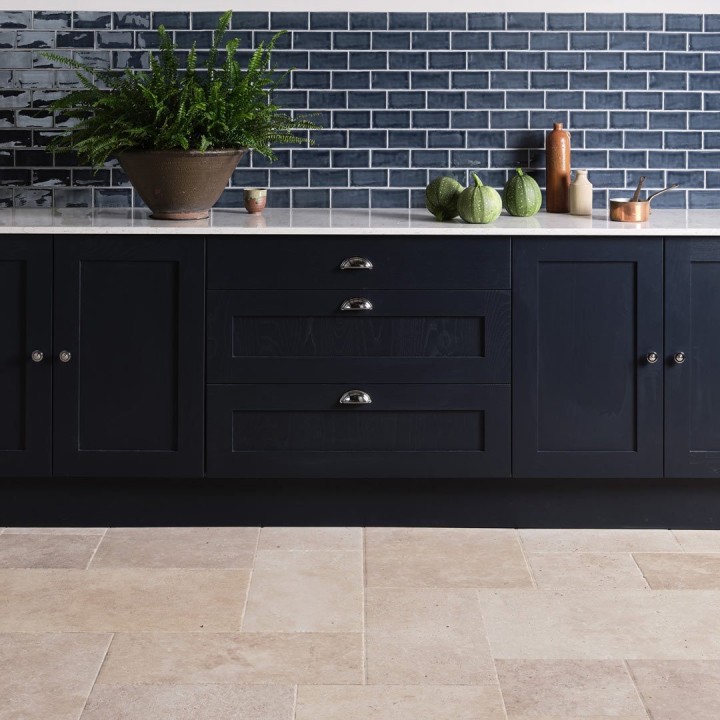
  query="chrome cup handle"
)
[
  {"x": 356, "y": 263},
  {"x": 356, "y": 304},
  {"x": 355, "y": 397}
]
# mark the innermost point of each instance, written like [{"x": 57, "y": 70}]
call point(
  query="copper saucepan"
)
[{"x": 638, "y": 211}]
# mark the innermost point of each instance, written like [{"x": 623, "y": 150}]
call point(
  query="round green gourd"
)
[
  {"x": 479, "y": 204},
  {"x": 441, "y": 197},
  {"x": 522, "y": 196}
]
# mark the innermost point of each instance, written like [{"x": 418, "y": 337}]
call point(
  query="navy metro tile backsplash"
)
[{"x": 402, "y": 98}]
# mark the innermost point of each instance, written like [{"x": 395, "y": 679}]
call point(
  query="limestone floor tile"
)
[
  {"x": 585, "y": 570},
  {"x": 679, "y": 689},
  {"x": 680, "y": 571},
  {"x": 47, "y": 551},
  {"x": 190, "y": 702},
  {"x": 177, "y": 547},
  {"x": 305, "y": 592},
  {"x": 698, "y": 541},
  {"x": 598, "y": 541},
  {"x": 443, "y": 557},
  {"x": 309, "y": 538},
  {"x": 426, "y": 637},
  {"x": 397, "y": 702},
  {"x": 121, "y": 600},
  {"x": 48, "y": 676},
  {"x": 602, "y": 624},
  {"x": 54, "y": 531},
  {"x": 568, "y": 688},
  {"x": 234, "y": 658}
]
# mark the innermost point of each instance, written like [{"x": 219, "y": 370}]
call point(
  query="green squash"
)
[
  {"x": 522, "y": 196},
  {"x": 441, "y": 197},
  {"x": 479, "y": 204}
]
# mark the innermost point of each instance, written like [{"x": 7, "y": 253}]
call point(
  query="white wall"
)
[{"x": 689, "y": 6}]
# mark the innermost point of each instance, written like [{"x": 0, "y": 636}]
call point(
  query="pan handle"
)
[{"x": 660, "y": 192}]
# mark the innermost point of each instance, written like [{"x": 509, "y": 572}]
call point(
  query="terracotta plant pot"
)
[{"x": 179, "y": 184}]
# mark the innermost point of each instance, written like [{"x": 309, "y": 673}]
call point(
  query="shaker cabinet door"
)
[
  {"x": 128, "y": 381},
  {"x": 587, "y": 402},
  {"x": 25, "y": 356},
  {"x": 692, "y": 357}
]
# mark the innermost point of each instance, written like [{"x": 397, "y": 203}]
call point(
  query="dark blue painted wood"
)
[
  {"x": 692, "y": 326},
  {"x": 131, "y": 312},
  {"x": 585, "y": 314},
  {"x": 25, "y": 326},
  {"x": 409, "y": 336},
  {"x": 301, "y": 431}
]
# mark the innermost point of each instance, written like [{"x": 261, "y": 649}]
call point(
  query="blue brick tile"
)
[
  {"x": 683, "y": 140},
  {"x": 588, "y": 81},
  {"x": 712, "y": 23},
  {"x": 588, "y": 41},
  {"x": 329, "y": 138},
  {"x": 666, "y": 41},
  {"x": 680, "y": 23},
  {"x": 409, "y": 99},
  {"x": 350, "y": 198},
  {"x": 590, "y": 158},
  {"x": 487, "y": 100},
  {"x": 604, "y": 21},
  {"x": 407, "y": 21},
  {"x": 712, "y": 101},
  {"x": 703, "y": 199},
  {"x": 431, "y": 41},
  {"x": 368, "y": 60},
  {"x": 525, "y": 21},
  {"x": 320, "y": 60},
  {"x": 628, "y": 41},
  {"x": 311, "y": 198},
  {"x": 391, "y": 158},
  {"x": 486, "y": 60},
  {"x": 605, "y": 61},
  {"x": 369, "y": 178},
  {"x": 249, "y": 21},
  {"x": 703, "y": 159},
  {"x": 407, "y": 61},
  {"x": 357, "y": 99},
  {"x": 351, "y": 40},
  {"x": 706, "y": 42},
  {"x": 643, "y": 101},
  {"x": 310, "y": 158},
  {"x": 515, "y": 157},
  {"x": 643, "y": 21},
  {"x": 446, "y": 139},
  {"x": 288, "y": 178},
  {"x": 628, "y": 81},
  {"x": 549, "y": 80},
  {"x": 526, "y": 138},
  {"x": 408, "y": 178},
  {"x": 439, "y": 100},
  {"x": 510, "y": 41},
  {"x": 486, "y": 21},
  {"x": 368, "y": 139},
  {"x": 712, "y": 141},
  {"x": 653, "y": 179},
  {"x": 682, "y": 101},
  {"x": 447, "y": 21},
  {"x": 604, "y": 100},
  {"x": 648, "y": 139},
  {"x": 328, "y": 21},
  {"x": 330, "y": 100},
  {"x": 565, "y": 21},
  {"x": 704, "y": 121},
  {"x": 389, "y": 198},
  {"x": 524, "y": 100},
  {"x": 430, "y": 158},
  {"x": 308, "y": 79},
  {"x": 391, "y": 41},
  {"x": 15, "y": 19},
  {"x": 644, "y": 61},
  {"x": 103, "y": 20},
  {"x": 469, "y": 158},
  {"x": 667, "y": 81},
  {"x": 470, "y": 41},
  {"x": 549, "y": 41},
  {"x": 712, "y": 179},
  {"x": 447, "y": 60},
  {"x": 509, "y": 80},
  {"x": 48, "y": 20},
  {"x": 674, "y": 199},
  {"x": 600, "y": 139},
  {"x": 391, "y": 119},
  {"x": 246, "y": 177},
  {"x": 459, "y": 175},
  {"x": 608, "y": 178},
  {"x": 525, "y": 60},
  {"x": 209, "y": 20},
  {"x": 562, "y": 100},
  {"x": 469, "y": 119},
  {"x": 709, "y": 82},
  {"x": 289, "y": 21},
  {"x": 712, "y": 62},
  {"x": 431, "y": 119},
  {"x": 668, "y": 120},
  {"x": 390, "y": 80},
  {"x": 627, "y": 159},
  {"x": 666, "y": 159},
  {"x": 312, "y": 40},
  {"x": 350, "y": 158},
  {"x": 683, "y": 61},
  {"x": 432, "y": 80},
  {"x": 170, "y": 20},
  {"x": 353, "y": 80},
  {"x": 486, "y": 138},
  {"x": 565, "y": 61},
  {"x": 368, "y": 21},
  {"x": 508, "y": 119},
  {"x": 588, "y": 119}
]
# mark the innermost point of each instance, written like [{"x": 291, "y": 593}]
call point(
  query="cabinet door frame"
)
[
  {"x": 647, "y": 459},
  {"x": 35, "y": 251},
  {"x": 680, "y": 459},
  {"x": 187, "y": 460}
]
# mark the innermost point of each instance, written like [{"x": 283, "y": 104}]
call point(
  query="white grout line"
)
[
  {"x": 629, "y": 671},
  {"x": 364, "y": 628},
  {"x": 675, "y": 537},
  {"x": 492, "y": 654},
  {"x": 250, "y": 577},
  {"x": 525, "y": 559},
  {"x": 97, "y": 547},
  {"x": 647, "y": 582},
  {"x": 295, "y": 697},
  {"x": 97, "y": 675}
]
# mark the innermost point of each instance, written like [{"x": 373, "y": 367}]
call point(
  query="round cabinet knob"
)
[
  {"x": 65, "y": 356},
  {"x": 652, "y": 357},
  {"x": 37, "y": 355},
  {"x": 679, "y": 358}
]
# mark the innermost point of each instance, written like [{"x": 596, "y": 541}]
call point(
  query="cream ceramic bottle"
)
[{"x": 581, "y": 194}]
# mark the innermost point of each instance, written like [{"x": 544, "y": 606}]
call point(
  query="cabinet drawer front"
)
[
  {"x": 434, "y": 336},
  {"x": 399, "y": 262},
  {"x": 405, "y": 431}
]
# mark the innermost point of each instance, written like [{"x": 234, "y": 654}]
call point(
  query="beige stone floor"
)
[{"x": 346, "y": 623}]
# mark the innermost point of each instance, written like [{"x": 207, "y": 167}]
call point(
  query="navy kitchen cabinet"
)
[
  {"x": 588, "y": 357},
  {"x": 25, "y": 355},
  {"x": 692, "y": 357}
]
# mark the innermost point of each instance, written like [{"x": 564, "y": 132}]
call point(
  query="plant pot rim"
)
[{"x": 186, "y": 153}]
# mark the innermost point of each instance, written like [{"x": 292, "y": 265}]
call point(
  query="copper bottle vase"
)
[{"x": 557, "y": 154}]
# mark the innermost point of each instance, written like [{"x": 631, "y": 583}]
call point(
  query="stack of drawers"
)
[{"x": 358, "y": 357}]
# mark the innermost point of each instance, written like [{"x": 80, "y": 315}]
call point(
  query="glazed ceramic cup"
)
[{"x": 255, "y": 199}]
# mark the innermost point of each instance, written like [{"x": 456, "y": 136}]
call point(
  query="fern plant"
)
[{"x": 218, "y": 107}]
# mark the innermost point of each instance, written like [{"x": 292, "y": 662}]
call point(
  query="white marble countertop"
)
[{"x": 351, "y": 222}]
